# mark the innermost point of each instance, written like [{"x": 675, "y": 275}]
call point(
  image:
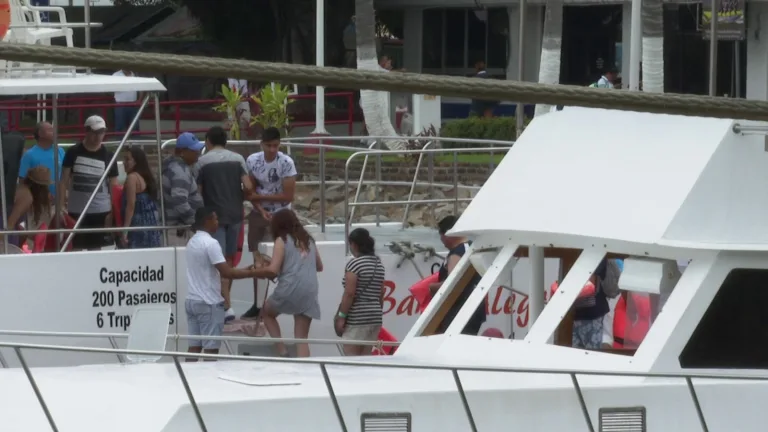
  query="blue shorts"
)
[
  {"x": 227, "y": 236},
  {"x": 204, "y": 319}
]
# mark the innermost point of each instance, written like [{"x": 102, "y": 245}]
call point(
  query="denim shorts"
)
[
  {"x": 204, "y": 319},
  {"x": 227, "y": 236}
]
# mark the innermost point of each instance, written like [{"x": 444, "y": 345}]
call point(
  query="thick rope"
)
[{"x": 515, "y": 91}]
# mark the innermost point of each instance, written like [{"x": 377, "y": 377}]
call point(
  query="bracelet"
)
[{"x": 342, "y": 314}]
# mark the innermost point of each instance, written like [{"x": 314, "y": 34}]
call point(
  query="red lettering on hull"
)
[{"x": 499, "y": 302}]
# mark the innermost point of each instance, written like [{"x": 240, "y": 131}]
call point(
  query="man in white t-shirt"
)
[
  {"x": 243, "y": 113},
  {"x": 206, "y": 267},
  {"x": 124, "y": 115},
  {"x": 274, "y": 175}
]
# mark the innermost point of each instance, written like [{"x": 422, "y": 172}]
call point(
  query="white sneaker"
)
[{"x": 229, "y": 315}]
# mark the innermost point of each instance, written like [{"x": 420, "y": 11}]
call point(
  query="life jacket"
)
[
  {"x": 385, "y": 336},
  {"x": 586, "y": 291},
  {"x": 420, "y": 291},
  {"x": 631, "y": 334}
]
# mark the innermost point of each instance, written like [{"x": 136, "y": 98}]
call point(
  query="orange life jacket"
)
[{"x": 631, "y": 334}]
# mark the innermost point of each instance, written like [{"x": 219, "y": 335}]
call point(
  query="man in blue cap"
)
[{"x": 180, "y": 192}]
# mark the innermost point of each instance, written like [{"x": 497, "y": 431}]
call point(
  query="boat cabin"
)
[{"x": 653, "y": 189}]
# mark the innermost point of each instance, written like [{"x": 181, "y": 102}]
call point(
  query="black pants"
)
[{"x": 92, "y": 240}]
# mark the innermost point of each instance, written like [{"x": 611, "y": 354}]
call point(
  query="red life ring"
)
[{"x": 5, "y": 17}]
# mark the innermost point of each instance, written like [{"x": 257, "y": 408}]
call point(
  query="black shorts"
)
[{"x": 92, "y": 240}]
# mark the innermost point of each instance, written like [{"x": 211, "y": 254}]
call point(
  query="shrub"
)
[{"x": 494, "y": 128}]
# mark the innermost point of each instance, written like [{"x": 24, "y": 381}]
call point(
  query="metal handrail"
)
[
  {"x": 112, "y": 337},
  {"x": 359, "y": 182},
  {"x": 324, "y": 363},
  {"x": 456, "y": 200},
  {"x": 290, "y": 142},
  {"x": 95, "y": 230}
]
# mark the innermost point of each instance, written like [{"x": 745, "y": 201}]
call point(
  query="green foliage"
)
[
  {"x": 494, "y": 128},
  {"x": 232, "y": 99},
  {"x": 273, "y": 102}
]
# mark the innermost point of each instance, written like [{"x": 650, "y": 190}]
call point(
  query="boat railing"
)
[
  {"x": 323, "y": 364},
  {"x": 112, "y": 338},
  {"x": 495, "y": 147},
  {"x": 456, "y": 199},
  {"x": 491, "y": 147}
]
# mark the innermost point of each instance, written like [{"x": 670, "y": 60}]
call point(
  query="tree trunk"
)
[
  {"x": 551, "y": 46},
  {"x": 375, "y": 104},
  {"x": 653, "y": 46}
]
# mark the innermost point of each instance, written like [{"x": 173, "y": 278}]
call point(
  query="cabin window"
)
[{"x": 731, "y": 334}]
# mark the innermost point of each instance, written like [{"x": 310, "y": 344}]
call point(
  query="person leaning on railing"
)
[{"x": 180, "y": 192}]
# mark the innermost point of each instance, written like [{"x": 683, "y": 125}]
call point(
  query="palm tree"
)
[
  {"x": 375, "y": 104},
  {"x": 653, "y": 46},
  {"x": 551, "y": 44}
]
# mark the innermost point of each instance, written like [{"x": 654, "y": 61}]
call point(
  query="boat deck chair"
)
[{"x": 148, "y": 332}]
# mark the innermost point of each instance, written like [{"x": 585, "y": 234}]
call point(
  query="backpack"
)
[{"x": 610, "y": 285}]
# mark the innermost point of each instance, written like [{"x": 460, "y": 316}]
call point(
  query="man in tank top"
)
[{"x": 457, "y": 246}]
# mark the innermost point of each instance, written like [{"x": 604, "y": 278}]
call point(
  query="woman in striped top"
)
[{"x": 360, "y": 312}]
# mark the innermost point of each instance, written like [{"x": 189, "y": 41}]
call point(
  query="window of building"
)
[
  {"x": 731, "y": 334},
  {"x": 455, "y": 38}
]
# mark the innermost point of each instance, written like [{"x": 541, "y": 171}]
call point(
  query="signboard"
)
[{"x": 731, "y": 24}]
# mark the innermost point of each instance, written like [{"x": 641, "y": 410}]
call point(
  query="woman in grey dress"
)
[{"x": 295, "y": 263}]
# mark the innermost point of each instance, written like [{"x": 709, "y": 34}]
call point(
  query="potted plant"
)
[
  {"x": 273, "y": 104},
  {"x": 232, "y": 99}
]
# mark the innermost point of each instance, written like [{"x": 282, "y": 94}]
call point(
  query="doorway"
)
[{"x": 590, "y": 34}]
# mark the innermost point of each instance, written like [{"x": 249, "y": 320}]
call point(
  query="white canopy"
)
[
  {"x": 67, "y": 83},
  {"x": 581, "y": 175}
]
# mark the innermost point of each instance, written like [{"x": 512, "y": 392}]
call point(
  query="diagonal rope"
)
[{"x": 666, "y": 103}]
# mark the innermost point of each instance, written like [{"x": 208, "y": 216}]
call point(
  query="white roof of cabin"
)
[
  {"x": 66, "y": 83},
  {"x": 582, "y": 174}
]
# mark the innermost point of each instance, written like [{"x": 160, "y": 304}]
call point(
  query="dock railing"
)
[{"x": 323, "y": 364}]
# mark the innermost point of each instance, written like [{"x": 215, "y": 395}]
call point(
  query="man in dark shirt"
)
[
  {"x": 224, "y": 182},
  {"x": 457, "y": 246}
]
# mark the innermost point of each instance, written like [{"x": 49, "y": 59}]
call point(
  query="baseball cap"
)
[
  {"x": 95, "y": 122},
  {"x": 189, "y": 141}
]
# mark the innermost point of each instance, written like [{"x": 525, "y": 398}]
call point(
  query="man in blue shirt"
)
[{"x": 42, "y": 154}]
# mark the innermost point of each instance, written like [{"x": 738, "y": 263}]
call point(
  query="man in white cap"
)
[{"x": 84, "y": 164}]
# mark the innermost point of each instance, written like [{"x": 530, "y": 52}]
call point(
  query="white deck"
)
[
  {"x": 150, "y": 397},
  {"x": 64, "y": 83}
]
